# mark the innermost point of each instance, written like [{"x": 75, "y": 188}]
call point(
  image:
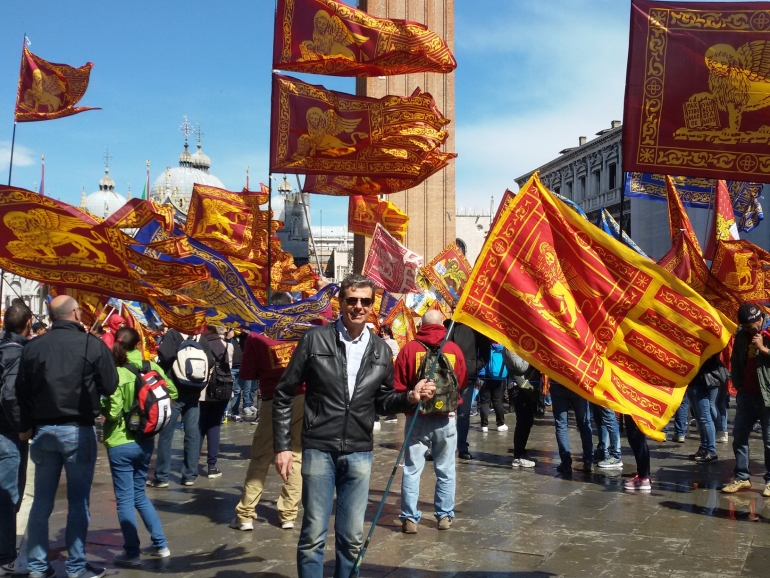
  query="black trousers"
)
[
  {"x": 492, "y": 389},
  {"x": 525, "y": 407},
  {"x": 638, "y": 443}
]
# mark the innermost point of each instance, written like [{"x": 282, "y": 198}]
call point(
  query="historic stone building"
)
[
  {"x": 431, "y": 205},
  {"x": 472, "y": 226}
]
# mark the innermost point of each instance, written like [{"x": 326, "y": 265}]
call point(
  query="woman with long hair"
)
[{"x": 129, "y": 457}]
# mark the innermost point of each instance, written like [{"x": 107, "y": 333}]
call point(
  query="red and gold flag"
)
[
  {"x": 740, "y": 265},
  {"x": 330, "y": 37},
  {"x": 448, "y": 272},
  {"x": 364, "y": 213},
  {"x": 678, "y": 221},
  {"x": 723, "y": 226},
  {"x": 401, "y": 322},
  {"x": 315, "y": 131},
  {"x": 697, "y": 90},
  {"x": 390, "y": 265},
  {"x": 48, "y": 90},
  {"x": 588, "y": 311}
]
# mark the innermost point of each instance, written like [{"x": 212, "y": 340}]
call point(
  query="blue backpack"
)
[{"x": 495, "y": 368}]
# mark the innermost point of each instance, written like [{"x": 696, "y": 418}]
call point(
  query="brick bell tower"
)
[{"x": 430, "y": 205}]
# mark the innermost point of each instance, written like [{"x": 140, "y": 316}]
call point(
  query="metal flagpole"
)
[
  {"x": 269, "y": 235},
  {"x": 309, "y": 230},
  {"x": 362, "y": 553},
  {"x": 622, "y": 209}
]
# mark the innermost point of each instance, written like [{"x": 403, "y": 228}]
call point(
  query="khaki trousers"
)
[{"x": 261, "y": 460}]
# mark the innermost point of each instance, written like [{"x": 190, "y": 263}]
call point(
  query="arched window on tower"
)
[{"x": 462, "y": 245}]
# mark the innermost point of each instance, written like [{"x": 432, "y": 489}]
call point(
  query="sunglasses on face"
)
[{"x": 365, "y": 301}]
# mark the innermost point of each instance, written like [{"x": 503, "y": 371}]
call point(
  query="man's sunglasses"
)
[{"x": 365, "y": 301}]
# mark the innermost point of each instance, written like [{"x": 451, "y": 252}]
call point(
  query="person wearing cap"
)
[{"x": 751, "y": 377}]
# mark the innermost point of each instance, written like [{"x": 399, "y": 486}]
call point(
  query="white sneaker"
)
[
  {"x": 157, "y": 552},
  {"x": 242, "y": 526},
  {"x": 16, "y": 568},
  {"x": 377, "y": 426},
  {"x": 251, "y": 410},
  {"x": 722, "y": 437},
  {"x": 522, "y": 463},
  {"x": 289, "y": 525},
  {"x": 484, "y": 428},
  {"x": 502, "y": 428}
]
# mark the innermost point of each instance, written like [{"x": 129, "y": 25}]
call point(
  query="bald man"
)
[{"x": 61, "y": 376}]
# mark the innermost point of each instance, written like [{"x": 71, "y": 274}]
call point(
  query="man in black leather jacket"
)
[{"x": 348, "y": 375}]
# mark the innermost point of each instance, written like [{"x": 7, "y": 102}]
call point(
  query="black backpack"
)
[
  {"x": 220, "y": 386},
  {"x": 444, "y": 400}
]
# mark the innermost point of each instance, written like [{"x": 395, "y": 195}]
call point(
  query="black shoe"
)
[
  {"x": 699, "y": 454},
  {"x": 563, "y": 468},
  {"x": 89, "y": 571},
  {"x": 428, "y": 456},
  {"x": 215, "y": 473},
  {"x": 588, "y": 467},
  {"x": 707, "y": 459},
  {"x": 465, "y": 456}
]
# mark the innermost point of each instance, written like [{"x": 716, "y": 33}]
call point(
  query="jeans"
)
[
  {"x": 129, "y": 464},
  {"x": 186, "y": 406},
  {"x": 235, "y": 401},
  {"x": 638, "y": 443},
  {"x": 13, "y": 478},
  {"x": 703, "y": 401},
  {"x": 492, "y": 388},
  {"x": 750, "y": 408},
  {"x": 721, "y": 407},
  {"x": 55, "y": 447},
  {"x": 322, "y": 474},
  {"x": 439, "y": 434},
  {"x": 525, "y": 407},
  {"x": 681, "y": 416},
  {"x": 609, "y": 433},
  {"x": 561, "y": 399},
  {"x": 464, "y": 416},
  {"x": 210, "y": 425},
  {"x": 249, "y": 388}
]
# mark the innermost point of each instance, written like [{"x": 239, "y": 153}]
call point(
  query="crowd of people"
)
[{"x": 318, "y": 404}]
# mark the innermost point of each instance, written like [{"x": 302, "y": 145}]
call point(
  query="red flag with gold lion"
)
[{"x": 365, "y": 212}]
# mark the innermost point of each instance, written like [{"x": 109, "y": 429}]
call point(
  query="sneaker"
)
[
  {"x": 736, "y": 486},
  {"x": 242, "y": 526},
  {"x": 377, "y": 426},
  {"x": 707, "y": 459},
  {"x": 156, "y": 484},
  {"x": 757, "y": 427},
  {"x": 236, "y": 418},
  {"x": 722, "y": 437},
  {"x": 699, "y": 454},
  {"x": 502, "y": 428},
  {"x": 287, "y": 525},
  {"x": 588, "y": 466},
  {"x": 429, "y": 456},
  {"x": 766, "y": 491},
  {"x": 187, "y": 482},
  {"x": 679, "y": 438},
  {"x": 127, "y": 561},
  {"x": 49, "y": 573},
  {"x": 157, "y": 552},
  {"x": 563, "y": 468},
  {"x": 215, "y": 473},
  {"x": 611, "y": 464},
  {"x": 484, "y": 428},
  {"x": 408, "y": 527},
  {"x": 16, "y": 568},
  {"x": 522, "y": 463},
  {"x": 445, "y": 523},
  {"x": 637, "y": 483},
  {"x": 89, "y": 571},
  {"x": 390, "y": 418},
  {"x": 465, "y": 456},
  {"x": 251, "y": 410}
]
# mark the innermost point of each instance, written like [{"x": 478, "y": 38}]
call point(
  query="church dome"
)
[
  {"x": 105, "y": 201},
  {"x": 200, "y": 160}
]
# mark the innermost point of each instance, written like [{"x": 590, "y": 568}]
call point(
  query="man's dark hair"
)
[
  {"x": 16, "y": 317},
  {"x": 38, "y": 326},
  {"x": 356, "y": 281},
  {"x": 280, "y": 298}
]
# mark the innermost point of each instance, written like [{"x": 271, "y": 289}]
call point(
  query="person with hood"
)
[
  {"x": 114, "y": 323},
  {"x": 436, "y": 430}
]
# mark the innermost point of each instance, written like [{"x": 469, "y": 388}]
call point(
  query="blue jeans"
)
[
  {"x": 249, "y": 388},
  {"x": 562, "y": 398},
  {"x": 186, "y": 406},
  {"x": 129, "y": 464},
  {"x": 55, "y": 447},
  {"x": 322, "y": 474},
  {"x": 721, "y": 403},
  {"x": 681, "y": 416},
  {"x": 235, "y": 401},
  {"x": 440, "y": 435},
  {"x": 703, "y": 401},
  {"x": 749, "y": 409},
  {"x": 464, "y": 415},
  {"x": 609, "y": 433},
  {"x": 13, "y": 478}
]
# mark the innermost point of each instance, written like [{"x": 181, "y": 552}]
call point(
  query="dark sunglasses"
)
[{"x": 365, "y": 301}]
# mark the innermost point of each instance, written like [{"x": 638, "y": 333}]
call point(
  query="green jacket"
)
[
  {"x": 738, "y": 364},
  {"x": 117, "y": 405}
]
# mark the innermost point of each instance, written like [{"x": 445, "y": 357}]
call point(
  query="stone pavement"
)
[{"x": 512, "y": 523}]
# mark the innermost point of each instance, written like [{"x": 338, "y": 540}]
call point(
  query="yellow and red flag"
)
[
  {"x": 448, "y": 272},
  {"x": 48, "y": 90},
  {"x": 401, "y": 322},
  {"x": 678, "y": 221},
  {"x": 314, "y": 131},
  {"x": 588, "y": 311},
  {"x": 390, "y": 265},
  {"x": 723, "y": 225},
  {"x": 330, "y": 37},
  {"x": 364, "y": 213},
  {"x": 740, "y": 265}
]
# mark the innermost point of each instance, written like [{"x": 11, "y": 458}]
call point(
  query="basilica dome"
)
[{"x": 105, "y": 201}]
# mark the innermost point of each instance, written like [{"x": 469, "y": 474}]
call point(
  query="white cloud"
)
[{"x": 22, "y": 156}]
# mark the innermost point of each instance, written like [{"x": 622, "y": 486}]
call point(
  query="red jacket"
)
[
  {"x": 266, "y": 359},
  {"x": 112, "y": 327},
  {"x": 409, "y": 358}
]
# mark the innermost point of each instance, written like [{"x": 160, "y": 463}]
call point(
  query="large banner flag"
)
[
  {"x": 678, "y": 221},
  {"x": 344, "y": 185},
  {"x": 697, "y": 90},
  {"x": 699, "y": 192},
  {"x": 388, "y": 302},
  {"x": 365, "y": 213},
  {"x": 740, "y": 265},
  {"x": 48, "y": 90},
  {"x": 609, "y": 225},
  {"x": 314, "y": 130},
  {"x": 723, "y": 227},
  {"x": 330, "y": 37},
  {"x": 390, "y": 265},
  {"x": 589, "y": 312},
  {"x": 401, "y": 322},
  {"x": 448, "y": 272}
]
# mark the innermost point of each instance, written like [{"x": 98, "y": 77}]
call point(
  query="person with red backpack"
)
[{"x": 139, "y": 409}]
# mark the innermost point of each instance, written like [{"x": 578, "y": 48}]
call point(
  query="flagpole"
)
[
  {"x": 622, "y": 209},
  {"x": 309, "y": 230},
  {"x": 269, "y": 235},
  {"x": 712, "y": 207}
]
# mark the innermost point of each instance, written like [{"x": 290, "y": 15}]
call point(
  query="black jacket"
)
[
  {"x": 333, "y": 421},
  {"x": 474, "y": 345},
  {"x": 61, "y": 376},
  {"x": 9, "y": 359}
]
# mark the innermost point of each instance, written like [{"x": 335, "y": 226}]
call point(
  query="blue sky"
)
[{"x": 532, "y": 77}]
